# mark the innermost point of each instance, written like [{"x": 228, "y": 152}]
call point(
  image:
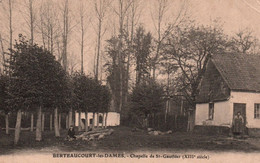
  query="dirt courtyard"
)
[{"x": 125, "y": 140}]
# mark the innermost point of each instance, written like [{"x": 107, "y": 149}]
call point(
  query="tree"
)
[
  {"x": 158, "y": 16},
  {"x": 147, "y": 100},
  {"x": 80, "y": 91},
  {"x": 101, "y": 7},
  {"x": 105, "y": 99},
  {"x": 37, "y": 82},
  {"x": 87, "y": 93},
  {"x": 65, "y": 34},
  {"x": 190, "y": 48},
  {"x": 48, "y": 25},
  {"x": 132, "y": 19},
  {"x": 3, "y": 99},
  {"x": 123, "y": 7},
  {"x": 30, "y": 17},
  {"x": 142, "y": 48},
  {"x": 113, "y": 70},
  {"x": 245, "y": 42},
  {"x": 8, "y": 8}
]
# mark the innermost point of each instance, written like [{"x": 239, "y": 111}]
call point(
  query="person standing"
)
[{"x": 238, "y": 124}]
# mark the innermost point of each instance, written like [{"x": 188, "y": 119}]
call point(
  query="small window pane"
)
[
  {"x": 257, "y": 111},
  {"x": 211, "y": 111}
]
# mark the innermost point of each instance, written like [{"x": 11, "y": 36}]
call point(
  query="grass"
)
[{"x": 124, "y": 140}]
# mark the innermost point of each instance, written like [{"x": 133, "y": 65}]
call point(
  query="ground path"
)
[{"x": 123, "y": 140}]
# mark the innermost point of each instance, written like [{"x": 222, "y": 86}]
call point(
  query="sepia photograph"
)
[{"x": 129, "y": 81}]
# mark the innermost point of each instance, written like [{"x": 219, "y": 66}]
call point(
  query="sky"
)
[{"x": 234, "y": 14}]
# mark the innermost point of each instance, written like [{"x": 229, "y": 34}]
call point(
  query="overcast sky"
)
[{"x": 235, "y": 15}]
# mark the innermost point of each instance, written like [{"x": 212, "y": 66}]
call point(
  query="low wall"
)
[
  {"x": 212, "y": 130},
  {"x": 113, "y": 118},
  {"x": 254, "y": 132}
]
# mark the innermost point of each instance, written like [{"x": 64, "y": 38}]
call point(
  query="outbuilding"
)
[{"x": 230, "y": 84}]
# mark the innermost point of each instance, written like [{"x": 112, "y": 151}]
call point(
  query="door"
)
[{"x": 240, "y": 107}]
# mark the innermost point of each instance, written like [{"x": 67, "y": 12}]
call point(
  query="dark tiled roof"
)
[{"x": 241, "y": 72}]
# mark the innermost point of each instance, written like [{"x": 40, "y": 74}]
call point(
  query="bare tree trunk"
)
[
  {"x": 98, "y": 47},
  {"x": 103, "y": 120},
  {"x": 43, "y": 119},
  {"x": 82, "y": 39},
  {"x": 51, "y": 39},
  {"x": 106, "y": 120},
  {"x": 79, "y": 121},
  {"x": 18, "y": 126},
  {"x": 42, "y": 31},
  {"x": 56, "y": 123},
  {"x": 121, "y": 83},
  {"x": 70, "y": 117},
  {"x": 65, "y": 34},
  {"x": 100, "y": 9},
  {"x": 59, "y": 120},
  {"x": 3, "y": 54},
  {"x": 127, "y": 77},
  {"x": 7, "y": 124},
  {"x": 10, "y": 25},
  {"x": 86, "y": 120},
  {"x": 51, "y": 122},
  {"x": 31, "y": 20},
  {"x": 67, "y": 121},
  {"x": 121, "y": 15},
  {"x": 175, "y": 121},
  {"x": 93, "y": 120},
  {"x": 97, "y": 119},
  {"x": 39, "y": 125},
  {"x": 32, "y": 118}
]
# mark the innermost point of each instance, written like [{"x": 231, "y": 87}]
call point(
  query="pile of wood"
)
[
  {"x": 151, "y": 131},
  {"x": 96, "y": 134}
]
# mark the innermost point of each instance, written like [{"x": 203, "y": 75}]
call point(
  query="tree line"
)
[
  {"x": 128, "y": 55},
  {"x": 37, "y": 83},
  {"x": 184, "y": 53}
]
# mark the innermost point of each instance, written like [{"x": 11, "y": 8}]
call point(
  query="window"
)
[
  {"x": 211, "y": 111},
  {"x": 257, "y": 111}
]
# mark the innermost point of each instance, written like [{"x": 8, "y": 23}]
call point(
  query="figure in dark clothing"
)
[
  {"x": 238, "y": 124},
  {"x": 71, "y": 133}
]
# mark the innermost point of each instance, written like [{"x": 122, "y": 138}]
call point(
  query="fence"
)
[{"x": 170, "y": 122}]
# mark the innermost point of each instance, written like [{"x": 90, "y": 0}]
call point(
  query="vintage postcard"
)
[{"x": 129, "y": 81}]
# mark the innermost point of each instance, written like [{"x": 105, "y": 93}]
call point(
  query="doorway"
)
[{"x": 240, "y": 107}]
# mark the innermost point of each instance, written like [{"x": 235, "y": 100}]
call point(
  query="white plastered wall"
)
[
  {"x": 113, "y": 118},
  {"x": 249, "y": 99},
  {"x": 222, "y": 114}
]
